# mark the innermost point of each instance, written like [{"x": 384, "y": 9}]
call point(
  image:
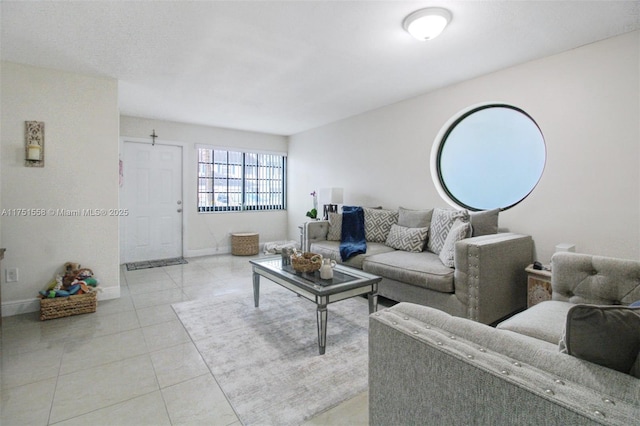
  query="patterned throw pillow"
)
[
  {"x": 407, "y": 239},
  {"x": 441, "y": 222},
  {"x": 335, "y": 227},
  {"x": 377, "y": 224},
  {"x": 459, "y": 231}
]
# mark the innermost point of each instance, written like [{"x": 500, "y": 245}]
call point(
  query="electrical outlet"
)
[{"x": 11, "y": 275}]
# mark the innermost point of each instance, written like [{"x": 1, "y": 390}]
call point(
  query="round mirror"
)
[{"x": 488, "y": 156}]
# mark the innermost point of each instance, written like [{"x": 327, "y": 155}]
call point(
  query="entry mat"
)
[{"x": 134, "y": 266}]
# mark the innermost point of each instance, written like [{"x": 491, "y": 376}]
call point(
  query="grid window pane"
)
[{"x": 235, "y": 181}]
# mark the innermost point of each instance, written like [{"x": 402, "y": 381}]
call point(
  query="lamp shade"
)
[
  {"x": 331, "y": 195},
  {"x": 427, "y": 24}
]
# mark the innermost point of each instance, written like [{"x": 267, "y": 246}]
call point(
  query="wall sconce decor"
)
[
  {"x": 331, "y": 198},
  {"x": 34, "y": 143}
]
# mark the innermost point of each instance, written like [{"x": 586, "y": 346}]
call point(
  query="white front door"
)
[{"x": 152, "y": 185}]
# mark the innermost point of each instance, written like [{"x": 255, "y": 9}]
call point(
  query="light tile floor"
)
[{"x": 131, "y": 362}]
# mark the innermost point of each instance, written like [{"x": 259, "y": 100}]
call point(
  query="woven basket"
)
[
  {"x": 59, "y": 307},
  {"x": 244, "y": 244},
  {"x": 306, "y": 262}
]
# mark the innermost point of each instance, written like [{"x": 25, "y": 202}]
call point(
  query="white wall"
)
[
  {"x": 81, "y": 172},
  {"x": 209, "y": 233},
  {"x": 586, "y": 101}
]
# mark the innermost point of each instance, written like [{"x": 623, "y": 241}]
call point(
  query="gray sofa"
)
[
  {"x": 486, "y": 283},
  {"x": 430, "y": 368}
]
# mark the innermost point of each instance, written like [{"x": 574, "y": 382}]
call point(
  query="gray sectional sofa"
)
[
  {"x": 574, "y": 360},
  {"x": 484, "y": 281}
]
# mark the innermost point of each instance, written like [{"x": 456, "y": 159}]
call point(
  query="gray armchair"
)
[{"x": 430, "y": 368}]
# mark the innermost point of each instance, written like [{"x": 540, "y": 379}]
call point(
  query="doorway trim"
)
[{"x": 186, "y": 205}]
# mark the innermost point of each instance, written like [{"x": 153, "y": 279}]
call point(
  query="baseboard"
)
[
  {"x": 18, "y": 307},
  {"x": 108, "y": 293},
  {"x": 25, "y": 306},
  {"x": 211, "y": 251}
]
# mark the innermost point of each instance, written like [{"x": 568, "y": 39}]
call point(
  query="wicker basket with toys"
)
[{"x": 72, "y": 292}]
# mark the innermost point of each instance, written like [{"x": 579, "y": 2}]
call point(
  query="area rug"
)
[
  {"x": 266, "y": 359},
  {"x": 134, "y": 266}
]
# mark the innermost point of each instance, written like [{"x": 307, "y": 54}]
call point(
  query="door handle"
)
[
  {"x": 179, "y": 210},
  {"x": 179, "y": 202}
]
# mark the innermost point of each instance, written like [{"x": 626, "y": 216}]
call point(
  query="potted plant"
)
[{"x": 313, "y": 213}]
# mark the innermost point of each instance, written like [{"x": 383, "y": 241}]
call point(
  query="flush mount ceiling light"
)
[{"x": 427, "y": 24}]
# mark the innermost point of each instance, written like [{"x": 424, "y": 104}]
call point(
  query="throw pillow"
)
[
  {"x": 407, "y": 239},
  {"x": 606, "y": 335},
  {"x": 459, "y": 231},
  {"x": 441, "y": 222},
  {"x": 335, "y": 227},
  {"x": 484, "y": 222},
  {"x": 377, "y": 224},
  {"x": 414, "y": 218}
]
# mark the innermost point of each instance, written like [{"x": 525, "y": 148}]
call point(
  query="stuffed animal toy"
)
[
  {"x": 74, "y": 280},
  {"x": 70, "y": 267},
  {"x": 85, "y": 276},
  {"x": 70, "y": 272},
  {"x": 84, "y": 273}
]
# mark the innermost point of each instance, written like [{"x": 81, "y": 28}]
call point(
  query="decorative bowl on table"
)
[{"x": 306, "y": 262}]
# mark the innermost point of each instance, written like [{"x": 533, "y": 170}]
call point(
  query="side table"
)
[{"x": 538, "y": 285}]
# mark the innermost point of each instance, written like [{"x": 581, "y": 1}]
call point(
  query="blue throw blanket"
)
[{"x": 353, "y": 240}]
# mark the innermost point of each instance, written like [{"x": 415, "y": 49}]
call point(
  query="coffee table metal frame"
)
[{"x": 347, "y": 283}]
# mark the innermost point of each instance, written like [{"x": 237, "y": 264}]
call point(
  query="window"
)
[
  {"x": 237, "y": 181},
  {"x": 488, "y": 156}
]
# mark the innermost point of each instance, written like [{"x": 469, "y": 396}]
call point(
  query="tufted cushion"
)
[
  {"x": 335, "y": 227},
  {"x": 377, "y": 224},
  {"x": 597, "y": 280},
  {"x": 605, "y": 335},
  {"x": 459, "y": 231},
  {"x": 441, "y": 222},
  {"x": 315, "y": 230},
  {"x": 407, "y": 239},
  {"x": 484, "y": 222},
  {"x": 414, "y": 218}
]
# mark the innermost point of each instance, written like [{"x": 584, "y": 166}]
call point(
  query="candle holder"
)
[{"x": 34, "y": 143}]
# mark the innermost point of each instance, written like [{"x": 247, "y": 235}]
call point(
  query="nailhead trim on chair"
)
[{"x": 431, "y": 335}]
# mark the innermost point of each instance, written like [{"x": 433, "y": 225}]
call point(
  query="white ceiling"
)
[{"x": 283, "y": 67}]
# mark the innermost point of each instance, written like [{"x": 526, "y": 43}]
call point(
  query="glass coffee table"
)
[{"x": 346, "y": 283}]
